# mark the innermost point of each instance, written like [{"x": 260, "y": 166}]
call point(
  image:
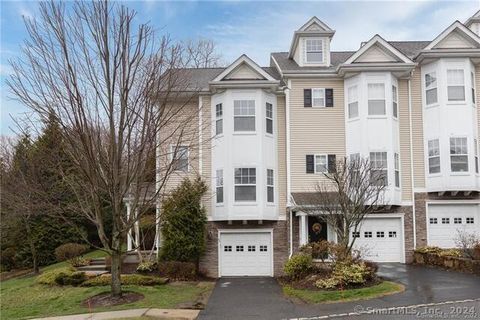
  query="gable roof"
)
[
  {"x": 457, "y": 26},
  {"x": 377, "y": 40},
  {"x": 472, "y": 19},
  {"x": 315, "y": 21},
  {"x": 243, "y": 60}
]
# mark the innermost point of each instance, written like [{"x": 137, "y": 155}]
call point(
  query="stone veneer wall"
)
[{"x": 209, "y": 261}]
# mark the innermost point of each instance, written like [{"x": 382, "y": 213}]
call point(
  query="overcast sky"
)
[{"x": 255, "y": 28}]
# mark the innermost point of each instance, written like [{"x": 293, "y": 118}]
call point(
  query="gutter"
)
[{"x": 414, "y": 224}]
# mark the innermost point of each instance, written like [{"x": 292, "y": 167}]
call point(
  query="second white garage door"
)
[
  {"x": 445, "y": 221},
  {"x": 381, "y": 239},
  {"x": 245, "y": 254}
]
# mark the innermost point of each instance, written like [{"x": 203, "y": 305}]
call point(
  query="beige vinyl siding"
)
[
  {"x": 417, "y": 130},
  {"x": 207, "y": 151},
  {"x": 314, "y": 130},
  {"x": 405, "y": 149},
  {"x": 454, "y": 40},
  {"x": 188, "y": 118},
  {"x": 375, "y": 54},
  {"x": 282, "y": 159}
]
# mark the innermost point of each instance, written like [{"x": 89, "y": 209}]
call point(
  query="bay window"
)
[
  {"x": 376, "y": 99},
  {"x": 458, "y": 155},
  {"x": 245, "y": 184},
  {"x": 397, "y": 169},
  {"x": 433, "y": 156},
  {"x": 244, "y": 115},
  {"x": 455, "y": 85},
  {"x": 431, "y": 96},
  {"x": 395, "y": 101}
]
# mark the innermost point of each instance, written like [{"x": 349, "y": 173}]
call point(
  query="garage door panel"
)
[
  {"x": 380, "y": 239},
  {"x": 446, "y": 221},
  {"x": 245, "y": 254}
]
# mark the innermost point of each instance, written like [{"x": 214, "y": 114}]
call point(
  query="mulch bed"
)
[
  {"x": 106, "y": 300},
  {"x": 308, "y": 282}
]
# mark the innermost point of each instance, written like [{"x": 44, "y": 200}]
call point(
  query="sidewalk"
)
[{"x": 177, "y": 314}]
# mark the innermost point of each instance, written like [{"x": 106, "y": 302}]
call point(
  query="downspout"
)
[
  {"x": 287, "y": 125},
  {"x": 414, "y": 224}
]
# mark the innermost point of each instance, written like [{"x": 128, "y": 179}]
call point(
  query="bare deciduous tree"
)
[
  {"x": 353, "y": 190},
  {"x": 119, "y": 96},
  {"x": 203, "y": 54}
]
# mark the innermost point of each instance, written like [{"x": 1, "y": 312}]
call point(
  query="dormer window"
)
[{"x": 314, "y": 50}]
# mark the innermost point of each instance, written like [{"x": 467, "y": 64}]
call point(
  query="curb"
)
[{"x": 173, "y": 314}]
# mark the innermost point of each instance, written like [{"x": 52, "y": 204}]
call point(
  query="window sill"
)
[
  {"x": 219, "y": 136},
  {"x": 377, "y": 117},
  {"x": 456, "y": 103},
  {"x": 353, "y": 119},
  {"x": 219, "y": 205},
  {"x": 271, "y": 204},
  {"x": 460, "y": 173},
  {"x": 433, "y": 105},
  {"x": 435, "y": 175},
  {"x": 269, "y": 135},
  {"x": 244, "y": 133},
  {"x": 245, "y": 203}
]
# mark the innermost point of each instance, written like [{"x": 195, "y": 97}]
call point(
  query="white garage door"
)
[
  {"x": 245, "y": 254},
  {"x": 445, "y": 221},
  {"x": 381, "y": 239}
]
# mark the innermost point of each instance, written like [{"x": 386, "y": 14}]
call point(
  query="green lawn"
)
[
  {"x": 22, "y": 298},
  {"x": 324, "y": 296}
]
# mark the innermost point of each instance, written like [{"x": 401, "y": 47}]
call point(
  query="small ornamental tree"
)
[{"x": 183, "y": 222}]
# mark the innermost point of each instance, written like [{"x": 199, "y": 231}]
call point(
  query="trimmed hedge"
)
[
  {"x": 177, "y": 270},
  {"x": 126, "y": 279},
  {"x": 62, "y": 276}
]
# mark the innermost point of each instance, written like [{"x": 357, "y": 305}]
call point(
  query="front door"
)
[{"x": 317, "y": 229}]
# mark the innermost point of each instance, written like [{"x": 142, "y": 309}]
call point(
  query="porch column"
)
[
  {"x": 129, "y": 233},
  {"x": 303, "y": 228},
  {"x": 137, "y": 231}
]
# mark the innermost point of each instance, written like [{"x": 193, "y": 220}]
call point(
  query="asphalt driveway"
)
[{"x": 262, "y": 298}]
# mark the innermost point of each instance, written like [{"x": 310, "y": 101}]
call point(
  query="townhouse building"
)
[{"x": 408, "y": 106}]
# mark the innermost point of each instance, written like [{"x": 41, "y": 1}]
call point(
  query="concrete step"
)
[
  {"x": 97, "y": 262},
  {"x": 95, "y": 273},
  {"x": 93, "y": 268}
]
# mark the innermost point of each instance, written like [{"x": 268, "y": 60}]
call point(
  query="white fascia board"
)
[
  {"x": 456, "y": 25},
  {"x": 313, "y": 20},
  {"x": 384, "y": 43},
  {"x": 244, "y": 59}
]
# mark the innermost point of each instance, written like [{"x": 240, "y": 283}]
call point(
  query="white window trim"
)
[
  {"x": 269, "y": 118},
  {"x": 475, "y": 156},
  {"x": 172, "y": 151},
  {"x": 322, "y": 93},
  {"x": 271, "y": 186},
  {"x": 460, "y": 155},
  {"x": 395, "y": 101},
  {"x": 219, "y": 118},
  {"x": 431, "y": 88},
  {"x": 396, "y": 168},
  {"x": 465, "y": 93},
  {"x": 350, "y": 100},
  {"x": 254, "y": 116},
  {"x": 305, "y": 60},
  {"x": 219, "y": 186},
  {"x": 245, "y": 202},
  {"x": 429, "y": 157},
  {"x": 315, "y": 163},
  {"x": 377, "y": 116}
]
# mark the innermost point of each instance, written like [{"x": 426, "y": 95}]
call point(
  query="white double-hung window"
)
[
  {"x": 379, "y": 173},
  {"x": 455, "y": 85},
  {"x": 321, "y": 163},
  {"x": 431, "y": 95},
  {"x": 458, "y": 155},
  {"x": 318, "y": 97},
  {"x": 353, "y": 102},
  {"x": 244, "y": 115},
  {"x": 179, "y": 158},
  {"x": 433, "y": 156},
  {"x": 245, "y": 184},
  {"x": 270, "y": 186},
  {"x": 269, "y": 117},
  {"x": 395, "y": 101},
  {"x": 313, "y": 50},
  {"x": 218, "y": 119},
  {"x": 397, "y": 169},
  {"x": 219, "y": 186},
  {"x": 376, "y": 99}
]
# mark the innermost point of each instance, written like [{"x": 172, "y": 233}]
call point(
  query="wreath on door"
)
[{"x": 317, "y": 227}]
